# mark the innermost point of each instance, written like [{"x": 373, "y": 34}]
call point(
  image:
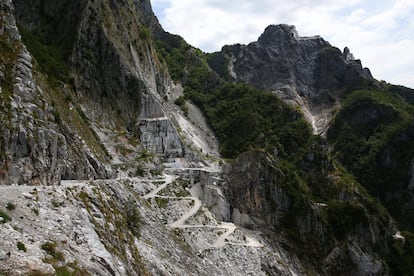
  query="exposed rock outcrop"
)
[
  {"x": 37, "y": 146},
  {"x": 106, "y": 43},
  {"x": 304, "y": 71},
  {"x": 109, "y": 77},
  {"x": 261, "y": 199}
]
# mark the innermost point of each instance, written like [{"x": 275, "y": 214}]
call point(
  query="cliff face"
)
[
  {"x": 86, "y": 94},
  {"x": 264, "y": 196},
  {"x": 373, "y": 138},
  {"x": 368, "y": 123},
  {"x": 37, "y": 146},
  {"x": 304, "y": 71},
  {"x": 108, "y": 37},
  {"x": 101, "y": 73}
]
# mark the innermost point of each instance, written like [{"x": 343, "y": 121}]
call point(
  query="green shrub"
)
[
  {"x": 50, "y": 248},
  {"x": 21, "y": 246},
  {"x": 64, "y": 271},
  {"x": 71, "y": 269},
  {"x": 56, "y": 203},
  {"x": 344, "y": 216},
  {"x": 134, "y": 219},
  {"x": 4, "y": 216},
  {"x": 140, "y": 170},
  {"x": 161, "y": 202},
  {"x": 180, "y": 101},
  {"x": 184, "y": 108},
  {"x": 10, "y": 206},
  {"x": 144, "y": 33},
  {"x": 35, "y": 211},
  {"x": 146, "y": 155},
  {"x": 56, "y": 115}
]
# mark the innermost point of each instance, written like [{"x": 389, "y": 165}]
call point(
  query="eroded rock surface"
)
[{"x": 303, "y": 71}]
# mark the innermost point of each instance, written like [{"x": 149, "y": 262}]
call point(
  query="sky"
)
[{"x": 379, "y": 32}]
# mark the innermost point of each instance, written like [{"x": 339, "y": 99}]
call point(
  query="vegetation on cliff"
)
[
  {"x": 241, "y": 116},
  {"x": 52, "y": 58},
  {"x": 373, "y": 138},
  {"x": 246, "y": 118}
]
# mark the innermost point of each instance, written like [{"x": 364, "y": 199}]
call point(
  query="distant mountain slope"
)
[
  {"x": 308, "y": 72},
  {"x": 373, "y": 137},
  {"x": 369, "y": 124},
  {"x": 303, "y": 71},
  {"x": 290, "y": 176}
]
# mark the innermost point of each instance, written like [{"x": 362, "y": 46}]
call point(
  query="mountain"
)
[
  {"x": 126, "y": 151},
  {"x": 368, "y": 123},
  {"x": 303, "y": 71}
]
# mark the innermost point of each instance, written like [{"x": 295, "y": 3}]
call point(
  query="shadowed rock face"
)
[
  {"x": 54, "y": 20},
  {"x": 260, "y": 199},
  {"x": 111, "y": 75},
  {"x": 304, "y": 71},
  {"x": 38, "y": 147}
]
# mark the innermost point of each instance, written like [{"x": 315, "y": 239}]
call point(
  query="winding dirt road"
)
[{"x": 229, "y": 227}]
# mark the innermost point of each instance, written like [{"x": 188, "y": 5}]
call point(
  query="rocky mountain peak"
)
[
  {"x": 284, "y": 34},
  {"x": 278, "y": 33},
  {"x": 347, "y": 54}
]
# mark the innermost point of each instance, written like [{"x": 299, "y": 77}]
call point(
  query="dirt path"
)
[
  {"x": 223, "y": 239},
  {"x": 197, "y": 205},
  {"x": 229, "y": 227},
  {"x": 167, "y": 180}
]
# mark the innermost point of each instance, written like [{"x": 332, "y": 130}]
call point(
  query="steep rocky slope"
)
[
  {"x": 345, "y": 232},
  {"x": 372, "y": 134},
  {"x": 105, "y": 93},
  {"x": 307, "y": 195},
  {"x": 38, "y": 144},
  {"x": 97, "y": 89},
  {"x": 368, "y": 123},
  {"x": 303, "y": 71},
  {"x": 107, "y": 39}
]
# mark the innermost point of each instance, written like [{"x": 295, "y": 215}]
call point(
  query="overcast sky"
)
[{"x": 380, "y": 33}]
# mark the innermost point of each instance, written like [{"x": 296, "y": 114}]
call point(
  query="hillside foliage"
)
[
  {"x": 373, "y": 137},
  {"x": 370, "y": 142}
]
